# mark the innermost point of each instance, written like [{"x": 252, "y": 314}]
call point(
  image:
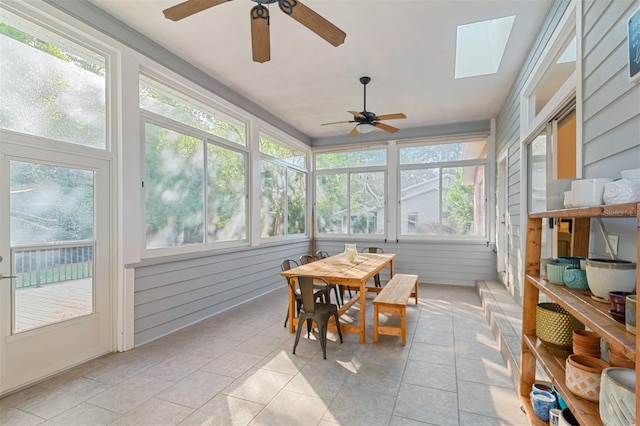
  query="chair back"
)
[
  {"x": 372, "y": 250},
  {"x": 285, "y": 266},
  {"x": 307, "y": 292},
  {"x": 321, "y": 254},
  {"x": 288, "y": 264},
  {"x": 307, "y": 258}
]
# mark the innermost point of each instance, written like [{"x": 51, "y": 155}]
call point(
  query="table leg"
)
[
  {"x": 363, "y": 304},
  {"x": 292, "y": 309},
  {"x": 391, "y": 268}
]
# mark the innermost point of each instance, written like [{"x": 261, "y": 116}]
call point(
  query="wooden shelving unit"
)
[{"x": 578, "y": 303}]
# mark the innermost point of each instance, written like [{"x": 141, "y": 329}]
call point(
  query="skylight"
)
[{"x": 480, "y": 46}]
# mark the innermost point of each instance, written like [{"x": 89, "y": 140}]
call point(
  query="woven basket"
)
[
  {"x": 583, "y": 376},
  {"x": 555, "y": 326}
]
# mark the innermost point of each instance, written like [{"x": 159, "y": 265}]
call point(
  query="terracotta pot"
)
[
  {"x": 583, "y": 375},
  {"x": 587, "y": 352},
  {"x": 586, "y": 343},
  {"x": 587, "y": 363},
  {"x": 617, "y": 360}
]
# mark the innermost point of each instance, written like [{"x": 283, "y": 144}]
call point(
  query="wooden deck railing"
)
[{"x": 38, "y": 265}]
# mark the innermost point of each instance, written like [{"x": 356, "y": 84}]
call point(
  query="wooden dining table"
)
[{"x": 340, "y": 271}]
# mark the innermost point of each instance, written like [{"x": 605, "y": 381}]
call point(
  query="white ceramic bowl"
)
[
  {"x": 621, "y": 191},
  {"x": 588, "y": 192},
  {"x": 618, "y": 396},
  {"x": 631, "y": 174},
  {"x": 605, "y": 275}
]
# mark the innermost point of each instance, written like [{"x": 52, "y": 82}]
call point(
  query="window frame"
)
[
  {"x": 97, "y": 48},
  {"x": 147, "y": 117},
  {"x": 281, "y": 139},
  {"x": 484, "y": 162},
  {"x": 349, "y": 236}
]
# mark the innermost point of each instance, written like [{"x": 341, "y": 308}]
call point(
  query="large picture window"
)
[
  {"x": 51, "y": 86},
  {"x": 195, "y": 183},
  {"x": 350, "y": 192},
  {"x": 443, "y": 189},
  {"x": 283, "y": 195}
]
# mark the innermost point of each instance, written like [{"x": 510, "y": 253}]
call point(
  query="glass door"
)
[{"x": 55, "y": 291}]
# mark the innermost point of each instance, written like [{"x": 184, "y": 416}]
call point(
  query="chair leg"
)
[
  {"x": 295, "y": 344},
  {"x": 338, "y": 299},
  {"x": 376, "y": 279},
  {"x": 338, "y": 326},
  {"x": 309, "y": 325},
  {"x": 298, "y": 307},
  {"x": 323, "y": 339}
]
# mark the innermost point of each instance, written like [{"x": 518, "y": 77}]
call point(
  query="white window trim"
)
[
  {"x": 388, "y": 175},
  {"x": 161, "y": 121},
  {"x": 530, "y": 123},
  {"x": 488, "y": 178},
  {"x": 289, "y": 142},
  {"x": 570, "y": 21}
]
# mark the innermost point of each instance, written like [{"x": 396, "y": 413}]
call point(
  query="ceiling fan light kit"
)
[
  {"x": 367, "y": 120},
  {"x": 260, "y": 37},
  {"x": 364, "y": 127}
]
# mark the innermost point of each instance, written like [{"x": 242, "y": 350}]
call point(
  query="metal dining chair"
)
[
  {"x": 308, "y": 258},
  {"x": 321, "y": 254},
  {"x": 312, "y": 311},
  {"x": 321, "y": 292},
  {"x": 376, "y": 278}
]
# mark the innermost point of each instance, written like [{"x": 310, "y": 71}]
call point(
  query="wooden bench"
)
[{"x": 393, "y": 299}]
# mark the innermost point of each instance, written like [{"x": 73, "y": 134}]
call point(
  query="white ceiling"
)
[{"x": 407, "y": 47}]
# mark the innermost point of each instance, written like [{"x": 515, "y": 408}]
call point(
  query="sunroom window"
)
[
  {"x": 51, "y": 86},
  {"x": 283, "y": 195},
  {"x": 443, "y": 189},
  {"x": 350, "y": 192},
  {"x": 196, "y": 184}
]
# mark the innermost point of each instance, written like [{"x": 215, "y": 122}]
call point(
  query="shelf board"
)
[
  {"x": 616, "y": 210},
  {"x": 586, "y": 412},
  {"x": 591, "y": 313}
]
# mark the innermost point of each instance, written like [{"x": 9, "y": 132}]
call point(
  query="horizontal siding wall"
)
[
  {"x": 611, "y": 105},
  {"x": 611, "y": 110},
  {"x": 508, "y": 138},
  {"x": 175, "y": 294},
  {"x": 434, "y": 263}
]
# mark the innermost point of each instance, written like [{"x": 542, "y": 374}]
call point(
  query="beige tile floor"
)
[{"x": 237, "y": 369}]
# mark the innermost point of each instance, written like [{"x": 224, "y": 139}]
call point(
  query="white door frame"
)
[
  {"x": 23, "y": 359},
  {"x": 502, "y": 218}
]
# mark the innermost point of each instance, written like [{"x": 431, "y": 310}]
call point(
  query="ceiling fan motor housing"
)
[{"x": 368, "y": 117}]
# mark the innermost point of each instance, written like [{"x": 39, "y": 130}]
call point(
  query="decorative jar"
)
[{"x": 350, "y": 252}]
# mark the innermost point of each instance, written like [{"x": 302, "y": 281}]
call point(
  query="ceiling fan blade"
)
[
  {"x": 313, "y": 21},
  {"x": 356, "y": 114},
  {"x": 354, "y": 131},
  {"x": 190, "y": 7},
  {"x": 337, "y": 122},
  {"x": 260, "y": 44},
  {"x": 385, "y": 127},
  {"x": 390, "y": 116}
]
